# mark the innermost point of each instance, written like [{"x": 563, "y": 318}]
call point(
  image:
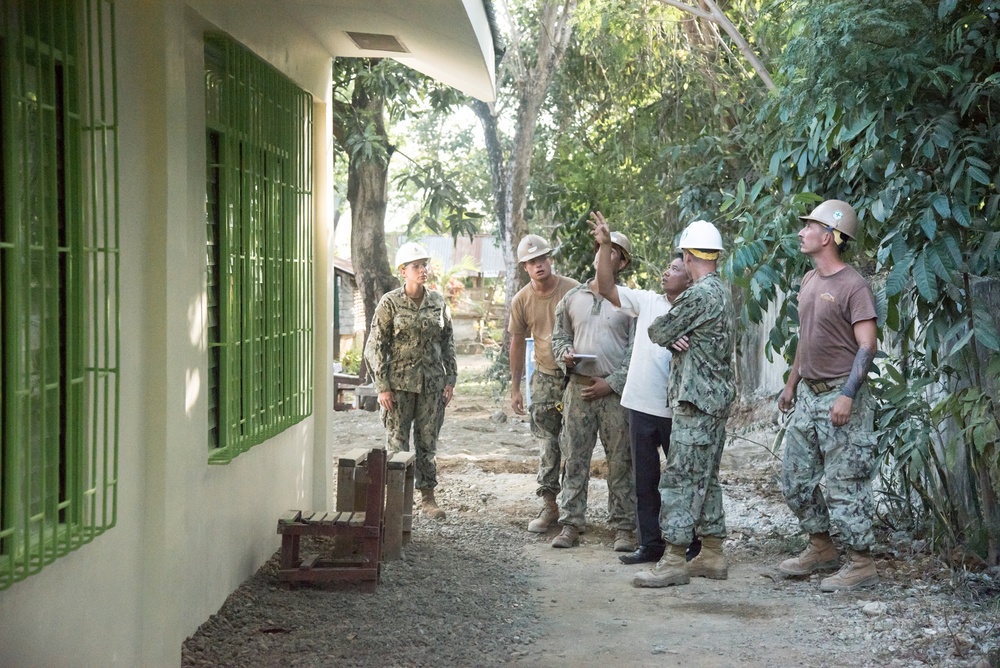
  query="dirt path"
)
[
  {"x": 593, "y": 616},
  {"x": 461, "y": 594}
]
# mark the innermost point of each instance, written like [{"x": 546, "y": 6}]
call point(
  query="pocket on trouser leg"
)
[
  {"x": 689, "y": 452},
  {"x": 859, "y": 460},
  {"x": 545, "y": 420}
]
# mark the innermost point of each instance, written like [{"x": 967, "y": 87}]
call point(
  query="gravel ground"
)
[
  {"x": 469, "y": 592},
  {"x": 459, "y": 597}
]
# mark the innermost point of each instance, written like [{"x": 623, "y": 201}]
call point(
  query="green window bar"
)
[
  {"x": 58, "y": 280},
  {"x": 259, "y": 253}
]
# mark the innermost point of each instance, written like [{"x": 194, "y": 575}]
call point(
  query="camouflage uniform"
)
[
  {"x": 700, "y": 393},
  {"x": 583, "y": 420},
  {"x": 846, "y": 454},
  {"x": 546, "y": 423},
  {"x": 411, "y": 352}
]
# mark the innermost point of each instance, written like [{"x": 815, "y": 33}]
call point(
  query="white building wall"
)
[{"x": 187, "y": 533}]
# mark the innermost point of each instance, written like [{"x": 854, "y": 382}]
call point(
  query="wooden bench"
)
[
  {"x": 361, "y": 530},
  {"x": 342, "y": 383},
  {"x": 398, "y": 504},
  {"x": 352, "y": 484},
  {"x": 367, "y": 397},
  {"x": 360, "y": 494}
]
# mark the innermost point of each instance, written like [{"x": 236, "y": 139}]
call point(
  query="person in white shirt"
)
[{"x": 645, "y": 391}]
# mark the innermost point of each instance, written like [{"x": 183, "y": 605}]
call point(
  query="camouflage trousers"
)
[
  {"x": 546, "y": 424},
  {"x": 690, "y": 494},
  {"x": 424, "y": 411},
  {"x": 584, "y": 420},
  {"x": 846, "y": 455}
]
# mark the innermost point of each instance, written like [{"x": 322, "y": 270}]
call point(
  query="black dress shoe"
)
[
  {"x": 643, "y": 555},
  {"x": 693, "y": 549}
]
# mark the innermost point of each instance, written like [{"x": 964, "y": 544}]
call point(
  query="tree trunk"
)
[
  {"x": 367, "y": 183},
  {"x": 713, "y": 13},
  {"x": 494, "y": 153},
  {"x": 511, "y": 176}
]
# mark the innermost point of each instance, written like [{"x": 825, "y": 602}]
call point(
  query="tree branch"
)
[{"x": 715, "y": 15}]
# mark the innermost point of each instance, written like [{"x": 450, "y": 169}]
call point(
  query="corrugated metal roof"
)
[
  {"x": 343, "y": 264},
  {"x": 483, "y": 250}
]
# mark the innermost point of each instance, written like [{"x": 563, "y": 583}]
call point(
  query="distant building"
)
[
  {"x": 349, "y": 309},
  {"x": 476, "y": 306},
  {"x": 482, "y": 248}
]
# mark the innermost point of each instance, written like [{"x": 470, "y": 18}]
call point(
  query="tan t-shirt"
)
[
  {"x": 829, "y": 306},
  {"x": 535, "y": 316}
]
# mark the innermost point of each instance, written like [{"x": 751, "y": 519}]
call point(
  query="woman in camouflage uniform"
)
[{"x": 411, "y": 354}]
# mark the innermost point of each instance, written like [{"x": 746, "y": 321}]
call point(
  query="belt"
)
[
  {"x": 582, "y": 379},
  {"x": 825, "y": 385}
]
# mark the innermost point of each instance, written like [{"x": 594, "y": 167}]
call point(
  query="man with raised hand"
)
[
  {"x": 699, "y": 330},
  {"x": 645, "y": 393},
  {"x": 533, "y": 313},
  {"x": 831, "y": 431},
  {"x": 591, "y": 341}
]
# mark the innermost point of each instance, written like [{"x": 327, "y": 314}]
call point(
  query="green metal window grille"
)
[
  {"x": 259, "y": 251},
  {"x": 59, "y": 286}
]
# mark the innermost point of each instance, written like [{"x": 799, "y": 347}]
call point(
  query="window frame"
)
[
  {"x": 59, "y": 267},
  {"x": 259, "y": 256}
]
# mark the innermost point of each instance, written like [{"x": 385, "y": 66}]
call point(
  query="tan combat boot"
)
[
  {"x": 429, "y": 506},
  {"x": 819, "y": 555},
  {"x": 568, "y": 537},
  {"x": 624, "y": 540},
  {"x": 547, "y": 516},
  {"x": 710, "y": 562},
  {"x": 672, "y": 569},
  {"x": 859, "y": 571}
]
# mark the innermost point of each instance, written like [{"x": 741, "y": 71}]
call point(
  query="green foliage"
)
[
  {"x": 498, "y": 373},
  {"x": 365, "y": 90},
  {"x": 893, "y": 108},
  {"x": 444, "y": 206},
  {"x": 641, "y": 129},
  {"x": 350, "y": 360}
]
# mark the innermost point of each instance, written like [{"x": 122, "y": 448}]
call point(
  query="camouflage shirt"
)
[
  {"x": 411, "y": 346},
  {"x": 702, "y": 375}
]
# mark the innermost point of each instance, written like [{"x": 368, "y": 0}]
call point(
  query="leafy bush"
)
[{"x": 351, "y": 361}]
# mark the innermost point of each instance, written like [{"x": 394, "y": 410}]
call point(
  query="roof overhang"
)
[{"x": 449, "y": 40}]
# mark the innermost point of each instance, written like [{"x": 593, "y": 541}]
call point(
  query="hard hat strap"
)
[
  {"x": 703, "y": 255},
  {"x": 837, "y": 237}
]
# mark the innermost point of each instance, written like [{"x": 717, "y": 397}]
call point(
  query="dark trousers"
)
[{"x": 648, "y": 434}]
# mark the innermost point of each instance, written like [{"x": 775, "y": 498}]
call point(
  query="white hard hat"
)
[
  {"x": 700, "y": 235},
  {"x": 532, "y": 246},
  {"x": 836, "y": 215},
  {"x": 409, "y": 252}
]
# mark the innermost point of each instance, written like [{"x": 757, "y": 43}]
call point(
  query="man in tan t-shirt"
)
[
  {"x": 532, "y": 313},
  {"x": 830, "y": 434}
]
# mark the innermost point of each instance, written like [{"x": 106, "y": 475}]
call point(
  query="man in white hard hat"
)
[
  {"x": 830, "y": 432},
  {"x": 532, "y": 313},
  {"x": 699, "y": 330},
  {"x": 645, "y": 393},
  {"x": 591, "y": 341}
]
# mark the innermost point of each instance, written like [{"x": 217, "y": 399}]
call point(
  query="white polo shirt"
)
[{"x": 646, "y": 385}]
